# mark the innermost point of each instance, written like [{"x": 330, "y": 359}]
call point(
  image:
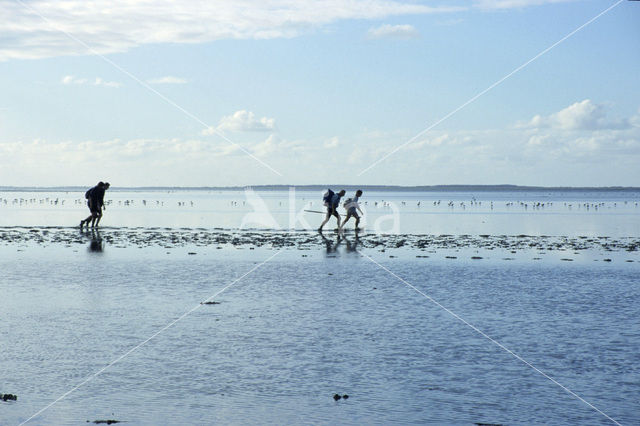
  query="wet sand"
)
[{"x": 307, "y": 240}]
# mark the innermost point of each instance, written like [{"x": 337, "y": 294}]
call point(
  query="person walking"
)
[
  {"x": 352, "y": 206},
  {"x": 95, "y": 202},
  {"x": 332, "y": 201}
]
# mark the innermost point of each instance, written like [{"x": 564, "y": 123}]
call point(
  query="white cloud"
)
[
  {"x": 274, "y": 145},
  {"x": 244, "y": 121},
  {"x": 70, "y": 79},
  {"x": 433, "y": 141},
  {"x": 100, "y": 82},
  {"x": 269, "y": 146},
  {"x": 402, "y": 32},
  {"x": 512, "y": 4},
  {"x": 584, "y": 115},
  {"x": 109, "y": 26},
  {"x": 332, "y": 142},
  {"x": 167, "y": 80}
]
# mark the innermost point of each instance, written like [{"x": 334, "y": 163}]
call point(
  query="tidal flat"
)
[
  {"x": 196, "y": 308},
  {"x": 308, "y": 240},
  {"x": 187, "y": 325}
]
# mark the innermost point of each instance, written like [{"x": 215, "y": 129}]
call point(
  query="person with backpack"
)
[
  {"x": 95, "y": 202},
  {"x": 332, "y": 201},
  {"x": 351, "y": 205}
]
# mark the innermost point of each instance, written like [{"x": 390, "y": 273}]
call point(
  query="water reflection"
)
[
  {"x": 352, "y": 245},
  {"x": 95, "y": 245},
  {"x": 331, "y": 246}
]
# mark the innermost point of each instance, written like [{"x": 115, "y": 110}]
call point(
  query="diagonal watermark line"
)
[
  {"x": 492, "y": 340},
  {"x": 497, "y": 83},
  {"x": 146, "y": 85},
  {"x": 138, "y": 346}
]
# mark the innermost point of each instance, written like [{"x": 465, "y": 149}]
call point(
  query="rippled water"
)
[{"x": 308, "y": 324}]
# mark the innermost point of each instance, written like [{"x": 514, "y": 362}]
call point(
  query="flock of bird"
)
[
  {"x": 525, "y": 205},
  {"x": 57, "y": 201}
]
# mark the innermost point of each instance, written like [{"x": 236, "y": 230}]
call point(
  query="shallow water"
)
[
  {"x": 551, "y": 276},
  {"x": 309, "y": 324},
  {"x": 573, "y": 213}
]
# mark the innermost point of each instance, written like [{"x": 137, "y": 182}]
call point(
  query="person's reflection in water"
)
[
  {"x": 331, "y": 246},
  {"x": 96, "y": 245},
  {"x": 352, "y": 247}
]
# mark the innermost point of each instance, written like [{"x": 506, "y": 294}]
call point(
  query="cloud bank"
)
[
  {"x": 574, "y": 146},
  {"x": 36, "y": 29},
  {"x": 33, "y": 29}
]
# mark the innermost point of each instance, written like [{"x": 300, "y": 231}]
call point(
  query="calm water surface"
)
[{"x": 288, "y": 336}]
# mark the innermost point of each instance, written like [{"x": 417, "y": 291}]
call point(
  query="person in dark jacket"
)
[
  {"x": 332, "y": 209},
  {"x": 95, "y": 202}
]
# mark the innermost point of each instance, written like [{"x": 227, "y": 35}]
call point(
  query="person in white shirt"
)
[{"x": 353, "y": 208}]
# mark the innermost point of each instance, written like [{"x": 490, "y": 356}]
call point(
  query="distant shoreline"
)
[{"x": 386, "y": 188}]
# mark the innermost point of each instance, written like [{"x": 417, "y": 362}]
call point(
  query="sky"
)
[{"x": 371, "y": 92}]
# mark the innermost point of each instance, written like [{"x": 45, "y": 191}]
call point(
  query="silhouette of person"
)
[
  {"x": 95, "y": 202},
  {"x": 332, "y": 209}
]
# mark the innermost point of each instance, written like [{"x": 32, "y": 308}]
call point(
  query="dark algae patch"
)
[{"x": 305, "y": 240}]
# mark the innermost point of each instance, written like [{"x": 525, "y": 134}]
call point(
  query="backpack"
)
[
  {"x": 87, "y": 194},
  {"x": 347, "y": 203},
  {"x": 326, "y": 198}
]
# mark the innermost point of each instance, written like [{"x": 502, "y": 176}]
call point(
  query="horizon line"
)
[{"x": 408, "y": 188}]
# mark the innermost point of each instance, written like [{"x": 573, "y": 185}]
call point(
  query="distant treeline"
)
[{"x": 381, "y": 188}]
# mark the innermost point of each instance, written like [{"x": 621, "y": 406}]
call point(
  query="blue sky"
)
[{"x": 316, "y": 92}]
